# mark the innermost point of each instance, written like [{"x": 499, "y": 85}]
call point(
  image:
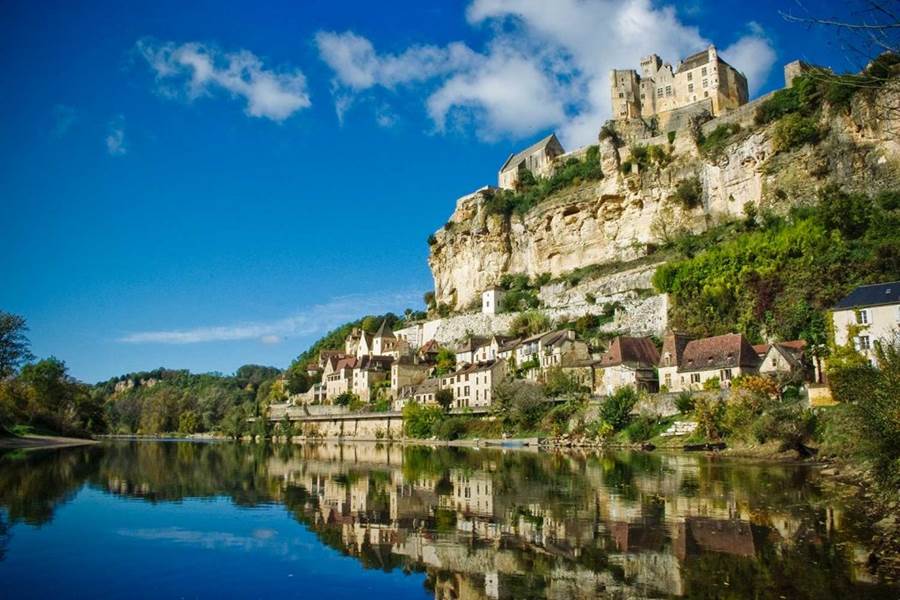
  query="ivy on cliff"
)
[
  {"x": 531, "y": 191},
  {"x": 779, "y": 277}
]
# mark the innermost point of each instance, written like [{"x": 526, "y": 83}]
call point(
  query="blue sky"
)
[{"x": 217, "y": 184}]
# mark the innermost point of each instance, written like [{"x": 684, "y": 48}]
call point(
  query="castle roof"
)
[
  {"x": 871, "y": 295},
  {"x": 515, "y": 159}
]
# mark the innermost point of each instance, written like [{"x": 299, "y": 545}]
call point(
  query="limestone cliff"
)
[{"x": 624, "y": 215}]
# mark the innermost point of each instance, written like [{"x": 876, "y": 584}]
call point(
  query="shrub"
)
[
  {"x": 346, "y": 399},
  {"x": 671, "y": 137},
  {"x": 559, "y": 383},
  {"x": 641, "y": 429},
  {"x": 444, "y": 398},
  {"x": 529, "y": 323},
  {"x": 616, "y": 409},
  {"x": 712, "y": 383},
  {"x": 518, "y": 404},
  {"x": 432, "y": 240},
  {"x": 794, "y": 130},
  {"x": 684, "y": 402},
  {"x": 709, "y": 413},
  {"x": 421, "y": 421},
  {"x": 689, "y": 192},
  {"x": 714, "y": 144},
  {"x": 590, "y": 298},
  {"x": 451, "y": 428}
]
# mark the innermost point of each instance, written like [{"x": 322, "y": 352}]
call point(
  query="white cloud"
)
[
  {"x": 317, "y": 319},
  {"x": 194, "y": 70},
  {"x": 115, "y": 137},
  {"x": 753, "y": 55},
  {"x": 546, "y": 64}
]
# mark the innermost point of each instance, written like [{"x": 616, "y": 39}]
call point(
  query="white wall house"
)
[{"x": 868, "y": 314}]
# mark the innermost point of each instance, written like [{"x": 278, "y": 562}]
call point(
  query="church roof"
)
[
  {"x": 515, "y": 159},
  {"x": 385, "y": 330}
]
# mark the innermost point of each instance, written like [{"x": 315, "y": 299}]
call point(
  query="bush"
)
[
  {"x": 451, "y": 428},
  {"x": 518, "y": 405},
  {"x": 558, "y": 383},
  {"x": 709, "y": 412},
  {"x": 616, "y": 409},
  {"x": 641, "y": 429},
  {"x": 689, "y": 192},
  {"x": 684, "y": 402},
  {"x": 529, "y": 323},
  {"x": 346, "y": 399},
  {"x": 421, "y": 421},
  {"x": 794, "y": 130},
  {"x": 444, "y": 398},
  {"x": 712, "y": 384},
  {"x": 715, "y": 143}
]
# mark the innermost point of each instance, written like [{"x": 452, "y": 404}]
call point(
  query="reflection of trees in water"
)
[{"x": 594, "y": 519}]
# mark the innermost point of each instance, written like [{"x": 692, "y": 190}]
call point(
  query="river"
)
[{"x": 223, "y": 520}]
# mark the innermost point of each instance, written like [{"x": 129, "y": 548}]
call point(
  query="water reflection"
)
[{"x": 489, "y": 524}]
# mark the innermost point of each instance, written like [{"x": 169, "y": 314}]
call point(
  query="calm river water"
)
[{"x": 192, "y": 520}]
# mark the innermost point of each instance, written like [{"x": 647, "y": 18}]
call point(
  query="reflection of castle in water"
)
[{"x": 561, "y": 527}]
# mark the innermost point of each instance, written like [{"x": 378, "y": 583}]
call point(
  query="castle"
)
[{"x": 701, "y": 81}]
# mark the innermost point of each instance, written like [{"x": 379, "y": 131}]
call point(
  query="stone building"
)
[
  {"x": 721, "y": 357},
  {"x": 868, "y": 314},
  {"x": 537, "y": 159},
  {"x": 703, "y": 79},
  {"x": 784, "y": 359},
  {"x": 491, "y": 299},
  {"x": 405, "y": 372},
  {"x": 629, "y": 361},
  {"x": 473, "y": 385}
]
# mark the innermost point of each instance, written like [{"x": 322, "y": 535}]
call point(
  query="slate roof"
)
[
  {"x": 871, "y": 295},
  {"x": 698, "y": 59},
  {"x": 473, "y": 343},
  {"x": 631, "y": 351},
  {"x": 384, "y": 331},
  {"x": 555, "y": 337},
  {"x": 721, "y": 351},
  {"x": 515, "y": 159}
]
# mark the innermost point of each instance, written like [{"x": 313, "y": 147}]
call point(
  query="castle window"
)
[
  {"x": 706, "y": 94},
  {"x": 703, "y": 71},
  {"x": 705, "y": 83},
  {"x": 690, "y": 87},
  {"x": 668, "y": 90},
  {"x": 621, "y": 95},
  {"x": 690, "y": 76},
  {"x": 659, "y": 93}
]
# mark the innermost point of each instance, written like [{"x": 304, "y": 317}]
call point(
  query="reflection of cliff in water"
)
[{"x": 488, "y": 524}]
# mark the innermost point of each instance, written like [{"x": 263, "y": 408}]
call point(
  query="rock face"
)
[{"x": 622, "y": 216}]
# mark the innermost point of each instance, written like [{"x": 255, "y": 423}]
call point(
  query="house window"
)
[
  {"x": 706, "y": 94},
  {"x": 774, "y": 362},
  {"x": 621, "y": 95},
  {"x": 690, "y": 87},
  {"x": 705, "y": 83},
  {"x": 659, "y": 92},
  {"x": 863, "y": 342},
  {"x": 862, "y": 317},
  {"x": 668, "y": 380},
  {"x": 695, "y": 377},
  {"x": 690, "y": 76},
  {"x": 668, "y": 90},
  {"x": 725, "y": 374},
  {"x": 703, "y": 71}
]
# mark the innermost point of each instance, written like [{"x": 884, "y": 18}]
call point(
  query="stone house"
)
[
  {"x": 868, "y": 314},
  {"x": 473, "y": 385},
  {"x": 405, "y": 371},
  {"x": 629, "y": 361},
  {"x": 507, "y": 350},
  {"x": 560, "y": 348},
  {"x": 491, "y": 299},
  {"x": 428, "y": 352},
  {"x": 702, "y": 78},
  {"x": 670, "y": 358},
  {"x": 723, "y": 356},
  {"x": 338, "y": 375},
  {"x": 784, "y": 359},
  {"x": 537, "y": 159},
  {"x": 472, "y": 350},
  {"x": 425, "y": 393},
  {"x": 368, "y": 371}
]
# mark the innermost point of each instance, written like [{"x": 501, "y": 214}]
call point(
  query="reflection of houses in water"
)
[{"x": 473, "y": 493}]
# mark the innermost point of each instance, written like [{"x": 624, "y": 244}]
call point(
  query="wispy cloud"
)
[
  {"x": 115, "y": 137},
  {"x": 316, "y": 319},
  {"x": 63, "y": 118},
  {"x": 194, "y": 70}
]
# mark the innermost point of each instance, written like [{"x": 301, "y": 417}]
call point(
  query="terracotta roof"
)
[
  {"x": 871, "y": 295},
  {"x": 348, "y": 362},
  {"x": 632, "y": 351},
  {"x": 515, "y": 159},
  {"x": 673, "y": 346},
  {"x": 374, "y": 363},
  {"x": 475, "y": 367},
  {"x": 429, "y": 347},
  {"x": 721, "y": 351}
]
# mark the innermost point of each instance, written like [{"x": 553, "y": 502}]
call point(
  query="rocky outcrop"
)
[{"x": 625, "y": 215}]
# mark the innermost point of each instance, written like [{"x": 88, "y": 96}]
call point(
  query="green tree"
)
[
  {"x": 529, "y": 323},
  {"x": 188, "y": 422},
  {"x": 445, "y": 362},
  {"x": 444, "y": 398},
  {"x": 14, "y": 344}
]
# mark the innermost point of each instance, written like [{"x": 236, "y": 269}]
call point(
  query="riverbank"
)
[{"x": 35, "y": 442}]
